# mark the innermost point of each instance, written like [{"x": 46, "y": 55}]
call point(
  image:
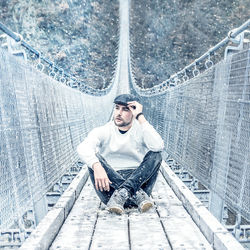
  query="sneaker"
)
[
  {"x": 117, "y": 201},
  {"x": 143, "y": 201}
]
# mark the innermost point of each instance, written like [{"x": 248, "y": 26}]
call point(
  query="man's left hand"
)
[{"x": 135, "y": 108}]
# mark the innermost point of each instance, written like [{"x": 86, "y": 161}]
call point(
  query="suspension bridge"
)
[{"x": 47, "y": 200}]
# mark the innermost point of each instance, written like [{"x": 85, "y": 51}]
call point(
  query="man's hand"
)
[
  {"x": 102, "y": 181},
  {"x": 136, "y": 108}
]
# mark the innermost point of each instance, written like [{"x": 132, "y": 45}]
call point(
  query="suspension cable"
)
[
  {"x": 232, "y": 34},
  {"x": 208, "y": 63},
  {"x": 77, "y": 84}
]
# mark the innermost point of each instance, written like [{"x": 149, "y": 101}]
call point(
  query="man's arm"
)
[
  {"x": 87, "y": 152},
  {"x": 87, "y": 149},
  {"x": 151, "y": 137},
  {"x": 102, "y": 181}
]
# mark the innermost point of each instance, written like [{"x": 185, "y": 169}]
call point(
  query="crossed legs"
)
[{"x": 132, "y": 180}]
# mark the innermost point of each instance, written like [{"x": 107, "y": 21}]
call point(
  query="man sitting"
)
[{"x": 124, "y": 157}]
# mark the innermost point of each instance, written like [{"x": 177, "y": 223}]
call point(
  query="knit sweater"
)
[{"x": 121, "y": 151}]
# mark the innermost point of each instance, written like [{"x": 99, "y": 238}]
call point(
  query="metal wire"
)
[
  {"x": 205, "y": 124},
  {"x": 41, "y": 123},
  {"x": 79, "y": 84},
  {"x": 205, "y": 58}
]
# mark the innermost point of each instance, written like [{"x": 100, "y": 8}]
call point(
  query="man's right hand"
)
[{"x": 102, "y": 181}]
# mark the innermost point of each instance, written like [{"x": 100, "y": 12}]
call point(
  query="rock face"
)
[
  {"x": 176, "y": 32},
  {"x": 81, "y": 36}
]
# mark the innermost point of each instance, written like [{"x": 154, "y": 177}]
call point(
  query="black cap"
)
[{"x": 125, "y": 98}]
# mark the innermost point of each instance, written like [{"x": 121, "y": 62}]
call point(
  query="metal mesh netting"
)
[
  {"x": 237, "y": 122},
  {"x": 41, "y": 123},
  {"x": 205, "y": 124}
]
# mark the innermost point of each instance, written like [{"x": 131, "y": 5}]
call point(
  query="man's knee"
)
[
  {"x": 154, "y": 156},
  {"x": 158, "y": 156}
]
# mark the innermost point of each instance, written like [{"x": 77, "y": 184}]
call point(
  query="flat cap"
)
[{"x": 125, "y": 98}]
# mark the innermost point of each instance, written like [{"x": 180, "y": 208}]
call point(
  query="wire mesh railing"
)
[
  {"x": 205, "y": 124},
  {"x": 42, "y": 122}
]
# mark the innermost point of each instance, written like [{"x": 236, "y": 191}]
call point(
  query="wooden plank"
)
[
  {"x": 167, "y": 202},
  {"x": 181, "y": 230},
  {"x": 111, "y": 232},
  {"x": 183, "y": 234},
  {"x": 77, "y": 230},
  {"x": 47, "y": 229},
  {"x": 146, "y": 231},
  {"x": 167, "y": 226}
]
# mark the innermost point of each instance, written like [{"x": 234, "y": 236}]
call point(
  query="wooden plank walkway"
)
[{"x": 166, "y": 226}]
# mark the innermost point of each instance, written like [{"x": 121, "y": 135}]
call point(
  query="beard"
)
[{"x": 121, "y": 123}]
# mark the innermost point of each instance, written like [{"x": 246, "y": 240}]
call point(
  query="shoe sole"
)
[
  {"x": 115, "y": 210},
  {"x": 145, "y": 207}
]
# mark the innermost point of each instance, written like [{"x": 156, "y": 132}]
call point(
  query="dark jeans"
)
[{"x": 143, "y": 177}]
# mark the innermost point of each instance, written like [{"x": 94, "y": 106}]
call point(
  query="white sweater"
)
[{"x": 121, "y": 151}]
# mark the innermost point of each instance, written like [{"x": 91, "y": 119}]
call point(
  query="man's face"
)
[{"x": 123, "y": 117}]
